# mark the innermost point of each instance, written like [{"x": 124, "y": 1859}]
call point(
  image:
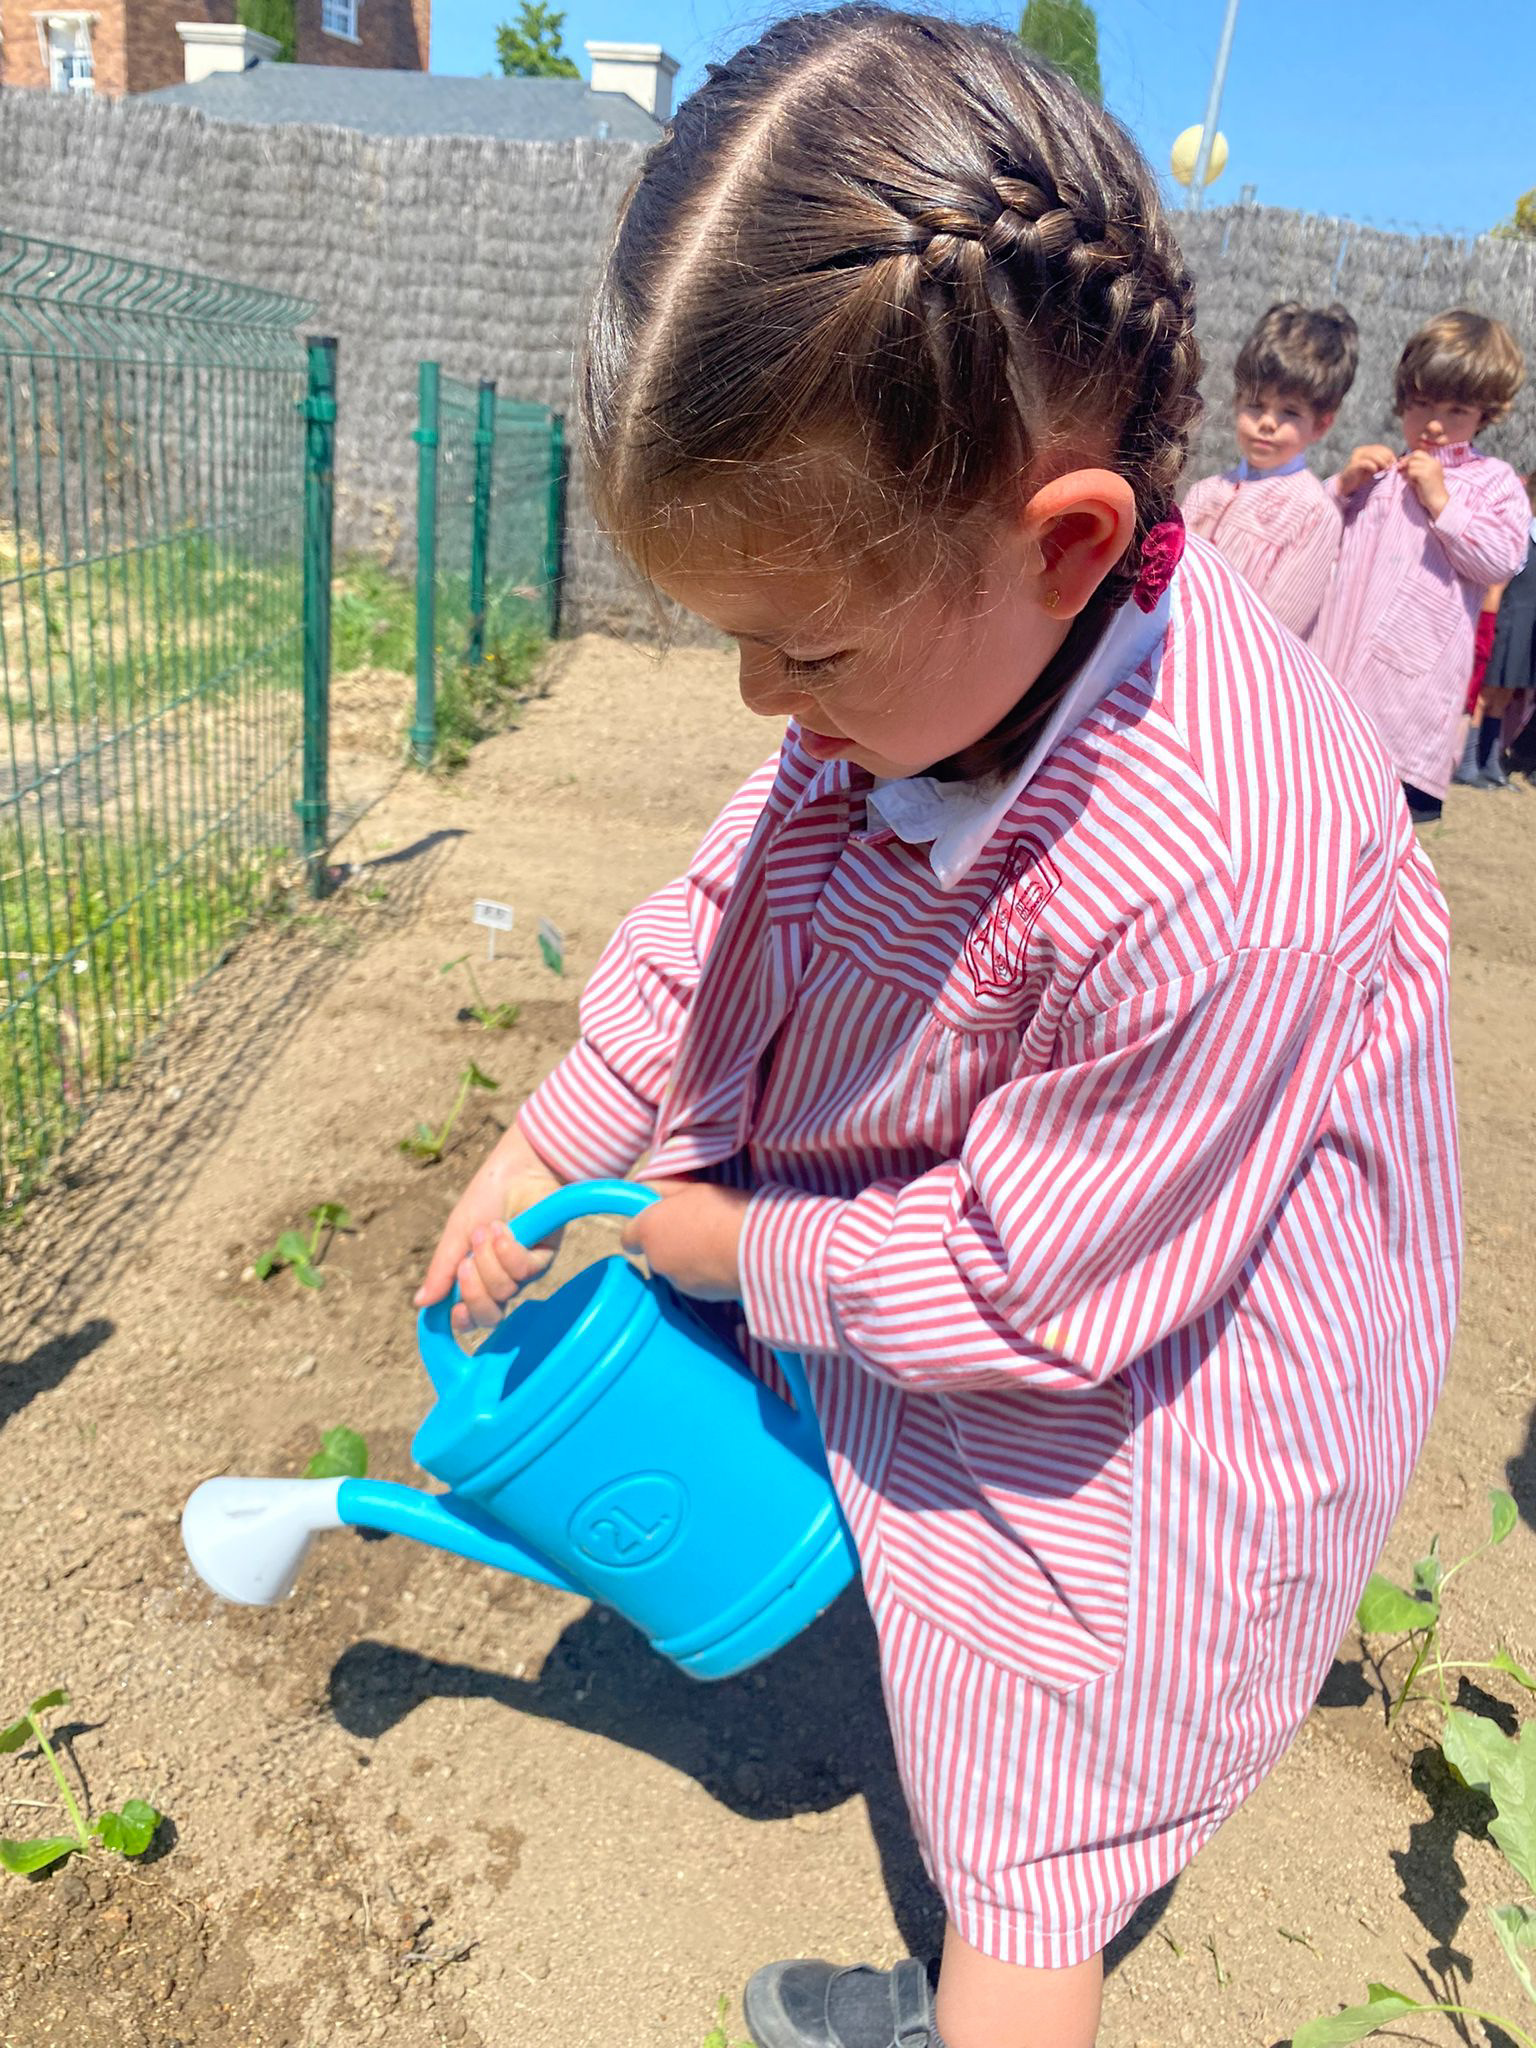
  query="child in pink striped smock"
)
[
  {"x": 1270, "y": 516},
  {"x": 1425, "y": 535},
  {"x": 1050, "y": 1042}
]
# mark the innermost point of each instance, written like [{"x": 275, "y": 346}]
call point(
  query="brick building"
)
[{"x": 130, "y": 46}]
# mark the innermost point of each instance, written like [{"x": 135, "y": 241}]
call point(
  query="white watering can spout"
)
[{"x": 246, "y": 1538}]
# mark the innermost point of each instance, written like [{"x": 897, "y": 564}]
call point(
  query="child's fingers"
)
[{"x": 444, "y": 1264}]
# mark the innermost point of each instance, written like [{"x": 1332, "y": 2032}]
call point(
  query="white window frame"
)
[
  {"x": 339, "y": 18},
  {"x": 70, "y": 70}
]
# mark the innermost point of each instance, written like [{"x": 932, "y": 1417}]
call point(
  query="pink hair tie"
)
[{"x": 1160, "y": 553}]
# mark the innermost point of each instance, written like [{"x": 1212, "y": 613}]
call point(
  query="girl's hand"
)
[
  {"x": 1365, "y": 463},
  {"x": 692, "y": 1237},
  {"x": 478, "y": 1250},
  {"x": 1425, "y": 473}
]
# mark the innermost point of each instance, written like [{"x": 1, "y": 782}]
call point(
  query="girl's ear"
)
[
  {"x": 1080, "y": 526},
  {"x": 1321, "y": 422}
]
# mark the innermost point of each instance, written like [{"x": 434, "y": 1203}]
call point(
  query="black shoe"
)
[{"x": 819, "y": 2005}]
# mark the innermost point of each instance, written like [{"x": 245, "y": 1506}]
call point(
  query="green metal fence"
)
[
  {"x": 490, "y": 513},
  {"x": 152, "y": 496}
]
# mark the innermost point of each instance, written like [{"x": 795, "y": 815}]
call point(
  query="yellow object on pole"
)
[{"x": 1186, "y": 154}]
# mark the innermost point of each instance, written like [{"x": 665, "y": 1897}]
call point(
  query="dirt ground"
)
[{"x": 426, "y": 1803}]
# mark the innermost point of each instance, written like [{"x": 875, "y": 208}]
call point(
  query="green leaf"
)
[
  {"x": 1386, "y": 1610},
  {"x": 479, "y": 1079},
  {"x": 449, "y": 965},
  {"x": 1516, "y": 1928},
  {"x": 1429, "y": 1573},
  {"x": 46, "y": 1702},
  {"x": 293, "y": 1248},
  {"x": 23, "y": 1858},
  {"x": 17, "y": 1736},
  {"x": 342, "y": 1455},
  {"x": 330, "y": 1216},
  {"x": 1355, "y": 2022},
  {"x": 268, "y": 1263},
  {"x": 1504, "y": 1512},
  {"x": 1488, "y": 1760},
  {"x": 1502, "y": 1661},
  {"x": 131, "y": 1831},
  {"x": 306, "y": 1275}
]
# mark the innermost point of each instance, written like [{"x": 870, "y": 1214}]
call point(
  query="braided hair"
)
[{"x": 882, "y": 271}]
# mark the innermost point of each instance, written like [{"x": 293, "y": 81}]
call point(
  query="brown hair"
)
[
  {"x": 881, "y": 269},
  {"x": 1302, "y": 354},
  {"x": 1465, "y": 357}
]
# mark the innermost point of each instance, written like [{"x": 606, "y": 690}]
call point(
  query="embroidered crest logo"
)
[{"x": 997, "y": 942}]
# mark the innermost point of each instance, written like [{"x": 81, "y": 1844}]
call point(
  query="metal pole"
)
[
  {"x": 1213, "y": 109},
  {"x": 554, "y": 530},
  {"x": 319, "y": 411},
  {"x": 424, "y": 729},
  {"x": 480, "y": 523}
]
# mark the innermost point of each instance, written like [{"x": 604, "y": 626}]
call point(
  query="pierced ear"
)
[{"x": 1081, "y": 524}]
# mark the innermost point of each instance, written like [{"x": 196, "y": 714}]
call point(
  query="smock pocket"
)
[
  {"x": 1007, "y": 1520},
  {"x": 1412, "y": 632}
]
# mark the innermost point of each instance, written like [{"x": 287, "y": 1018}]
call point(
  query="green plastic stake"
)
[
  {"x": 424, "y": 730},
  {"x": 480, "y": 527},
  {"x": 554, "y": 524},
  {"x": 319, "y": 409}
]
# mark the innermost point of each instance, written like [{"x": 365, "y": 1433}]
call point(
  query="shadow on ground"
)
[
  {"x": 800, "y": 1734},
  {"x": 48, "y": 1366}
]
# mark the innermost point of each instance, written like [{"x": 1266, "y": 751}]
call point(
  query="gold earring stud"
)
[{"x": 1052, "y": 599}]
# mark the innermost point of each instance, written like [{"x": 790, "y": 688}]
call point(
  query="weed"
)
[
  {"x": 489, "y": 1016},
  {"x": 343, "y": 1454},
  {"x": 1480, "y": 1755},
  {"x": 128, "y": 1831},
  {"x": 301, "y": 1254},
  {"x": 430, "y": 1145},
  {"x": 475, "y": 701},
  {"x": 373, "y": 619},
  {"x": 717, "y": 2036}
]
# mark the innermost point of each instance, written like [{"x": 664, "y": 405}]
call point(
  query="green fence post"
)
[
  {"x": 319, "y": 410},
  {"x": 424, "y": 730},
  {"x": 480, "y": 527},
  {"x": 554, "y": 527}
]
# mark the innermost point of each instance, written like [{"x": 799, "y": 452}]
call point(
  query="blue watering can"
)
[{"x": 601, "y": 1441}]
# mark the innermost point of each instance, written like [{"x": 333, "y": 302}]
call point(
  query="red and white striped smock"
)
[
  {"x": 1400, "y": 626},
  {"x": 1280, "y": 532},
  {"x": 1111, "y": 1192}
]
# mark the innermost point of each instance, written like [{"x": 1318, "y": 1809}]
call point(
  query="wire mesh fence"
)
[{"x": 151, "y": 522}]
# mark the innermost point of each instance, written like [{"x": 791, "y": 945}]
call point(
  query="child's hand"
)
[
  {"x": 692, "y": 1237},
  {"x": 478, "y": 1250},
  {"x": 1365, "y": 463},
  {"x": 1425, "y": 473}
]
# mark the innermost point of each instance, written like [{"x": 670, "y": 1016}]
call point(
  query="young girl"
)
[
  {"x": 1425, "y": 535},
  {"x": 1050, "y": 1044},
  {"x": 1270, "y": 516}
]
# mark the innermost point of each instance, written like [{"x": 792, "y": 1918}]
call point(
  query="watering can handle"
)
[{"x": 447, "y": 1364}]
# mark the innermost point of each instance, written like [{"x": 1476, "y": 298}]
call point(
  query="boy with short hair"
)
[
  {"x": 1425, "y": 535},
  {"x": 1270, "y": 516}
]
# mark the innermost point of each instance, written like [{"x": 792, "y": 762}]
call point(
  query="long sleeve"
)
[
  {"x": 1094, "y": 1208},
  {"x": 595, "y": 1114},
  {"x": 1485, "y": 532}
]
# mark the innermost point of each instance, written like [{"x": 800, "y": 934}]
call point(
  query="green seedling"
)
[
  {"x": 489, "y": 1016},
  {"x": 1481, "y": 1756},
  {"x": 127, "y": 1832},
  {"x": 342, "y": 1455},
  {"x": 717, "y": 2036},
  {"x": 429, "y": 1144},
  {"x": 301, "y": 1254}
]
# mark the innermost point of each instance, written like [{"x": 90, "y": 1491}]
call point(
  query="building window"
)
[
  {"x": 339, "y": 18},
  {"x": 67, "y": 47}
]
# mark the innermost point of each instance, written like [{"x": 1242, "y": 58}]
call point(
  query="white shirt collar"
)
[
  {"x": 1245, "y": 475},
  {"x": 955, "y": 820}
]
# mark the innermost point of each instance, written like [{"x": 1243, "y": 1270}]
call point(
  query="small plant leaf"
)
[
  {"x": 477, "y": 1078},
  {"x": 1356, "y": 2022},
  {"x": 1429, "y": 1573},
  {"x": 293, "y": 1248},
  {"x": 306, "y": 1274},
  {"x": 343, "y": 1454},
  {"x": 22, "y": 1858},
  {"x": 1516, "y": 1928},
  {"x": 330, "y": 1216},
  {"x": 1386, "y": 1610},
  {"x": 1489, "y": 1761},
  {"x": 17, "y": 1736},
  {"x": 131, "y": 1831},
  {"x": 46, "y": 1702},
  {"x": 266, "y": 1265},
  {"x": 423, "y": 1146},
  {"x": 1504, "y": 1513},
  {"x": 1502, "y": 1661},
  {"x": 449, "y": 965}
]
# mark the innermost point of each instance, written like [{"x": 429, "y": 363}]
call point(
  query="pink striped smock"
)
[
  {"x": 1400, "y": 626},
  {"x": 1280, "y": 532},
  {"x": 1108, "y": 1184}
]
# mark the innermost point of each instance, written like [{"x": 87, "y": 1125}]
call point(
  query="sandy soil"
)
[{"x": 426, "y": 1803}]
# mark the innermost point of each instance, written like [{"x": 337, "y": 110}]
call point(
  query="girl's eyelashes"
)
[{"x": 798, "y": 670}]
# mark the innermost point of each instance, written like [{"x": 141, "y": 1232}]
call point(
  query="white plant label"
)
[{"x": 496, "y": 917}]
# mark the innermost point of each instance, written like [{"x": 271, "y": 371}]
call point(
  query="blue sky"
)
[{"x": 1401, "y": 112}]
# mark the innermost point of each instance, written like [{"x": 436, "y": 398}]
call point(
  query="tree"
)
[
  {"x": 530, "y": 46},
  {"x": 1066, "y": 34},
  {"x": 1521, "y": 225},
  {"x": 275, "y": 18}
]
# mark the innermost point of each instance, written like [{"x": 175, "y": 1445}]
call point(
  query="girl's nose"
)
[{"x": 770, "y": 696}]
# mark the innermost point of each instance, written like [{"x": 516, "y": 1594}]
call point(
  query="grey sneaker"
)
[
  {"x": 819, "y": 2005},
  {"x": 1492, "y": 775}
]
